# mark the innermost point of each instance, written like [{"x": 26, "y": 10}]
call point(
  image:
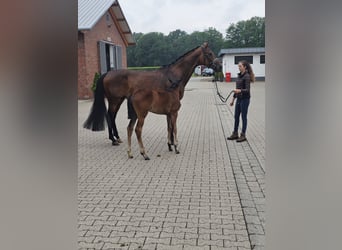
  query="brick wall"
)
[
  {"x": 82, "y": 71},
  {"x": 88, "y": 53}
]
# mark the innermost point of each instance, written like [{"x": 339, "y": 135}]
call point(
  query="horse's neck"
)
[{"x": 183, "y": 69}]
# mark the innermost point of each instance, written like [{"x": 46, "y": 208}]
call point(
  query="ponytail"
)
[{"x": 249, "y": 69}]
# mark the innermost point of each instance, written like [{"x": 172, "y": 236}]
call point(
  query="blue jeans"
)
[{"x": 241, "y": 107}]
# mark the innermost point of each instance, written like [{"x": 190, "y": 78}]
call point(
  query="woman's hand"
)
[
  {"x": 237, "y": 91},
  {"x": 232, "y": 102}
]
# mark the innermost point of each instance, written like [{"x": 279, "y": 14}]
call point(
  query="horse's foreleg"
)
[
  {"x": 169, "y": 132},
  {"x": 129, "y": 137},
  {"x": 174, "y": 130},
  {"x": 138, "y": 131}
]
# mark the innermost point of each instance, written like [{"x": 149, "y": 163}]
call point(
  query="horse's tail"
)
[
  {"x": 132, "y": 115},
  {"x": 96, "y": 118}
]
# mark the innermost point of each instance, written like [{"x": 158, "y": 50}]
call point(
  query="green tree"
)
[
  {"x": 195, "y": 39},
  {"x": 151, "y": 50},
  {"x": 132, "y": 50},
  {"x": 175, "y": 40},
  {"x": 214, "y": 38},
  {"x": 249, "y": 33},
  {"x": 157, "y": 49}
]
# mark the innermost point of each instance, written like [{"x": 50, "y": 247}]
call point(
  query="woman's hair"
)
[{"x": 249, "y": 69}]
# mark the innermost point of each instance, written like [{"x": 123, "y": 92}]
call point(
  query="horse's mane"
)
[{"x": 179, "y": 58}]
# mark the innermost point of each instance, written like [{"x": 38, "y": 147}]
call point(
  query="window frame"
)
[
  {"x": 262, "y": 61},
  {"x": 237, "y": 59}
]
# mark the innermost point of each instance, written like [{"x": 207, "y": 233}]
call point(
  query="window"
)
[
  {"x": 110, "y": 56},
  {"x": 262, "y": 59},
  {"x": 249, "y": 59},
  {"x": 108, "y": 21}
]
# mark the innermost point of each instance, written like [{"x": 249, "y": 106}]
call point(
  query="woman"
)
[{"x": 242, "y": 94}]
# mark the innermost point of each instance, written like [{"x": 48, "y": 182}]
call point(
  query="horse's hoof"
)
[
  {"x": 130, "y": 156},
  {"x": 145, "y": 156},
  {"x": 177, "y": 152}
]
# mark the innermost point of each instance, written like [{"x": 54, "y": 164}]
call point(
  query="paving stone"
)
[{"x": 210, "y": 196}]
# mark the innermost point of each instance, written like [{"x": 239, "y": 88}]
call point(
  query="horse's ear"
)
[{"x": 205, "y": 45}]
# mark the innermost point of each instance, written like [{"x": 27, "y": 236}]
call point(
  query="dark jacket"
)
[{"x": 243, "y": 82}]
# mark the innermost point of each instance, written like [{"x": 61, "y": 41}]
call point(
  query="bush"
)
[{"x": 96, "y": 78}]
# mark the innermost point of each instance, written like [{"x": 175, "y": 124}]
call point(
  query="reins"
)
[{"x": 222, "y": 98}]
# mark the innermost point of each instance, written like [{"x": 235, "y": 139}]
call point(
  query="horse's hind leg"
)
[
  {"x": 113, "y": 109},
  {"x": 129, "y": 136},
  {"x": 138, "y": 131},
  {"x": 115, "y": 130},
  {"x": 110, "y": 116},
  {"x": 169, "y": 132}
]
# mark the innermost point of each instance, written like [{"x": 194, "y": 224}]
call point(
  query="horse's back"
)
[
  {"x": 117, "y": 83},
  {"x": 124, "y": 82}
]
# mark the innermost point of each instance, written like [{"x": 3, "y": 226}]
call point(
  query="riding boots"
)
[
  {"x": 241, "y": 138},
  {"x": 234, "y": 136}
]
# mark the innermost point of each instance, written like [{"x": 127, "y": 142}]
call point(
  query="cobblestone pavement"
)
[{"x": 210, "y": 196}]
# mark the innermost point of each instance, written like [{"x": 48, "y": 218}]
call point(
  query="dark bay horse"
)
[{"x": 166, "y": 83}]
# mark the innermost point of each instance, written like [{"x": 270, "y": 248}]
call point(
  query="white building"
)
[{"x": 231, "y": 58}]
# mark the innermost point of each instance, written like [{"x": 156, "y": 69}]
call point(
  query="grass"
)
[{"x": 144, "y": 68}]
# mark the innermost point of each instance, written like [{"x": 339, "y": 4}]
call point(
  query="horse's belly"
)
[
  {"x": 159, "y": 110},
  {"x": 162, "y": 109}
]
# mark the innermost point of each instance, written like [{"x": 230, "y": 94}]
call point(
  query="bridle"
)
[{"x": 207, "y": 56}]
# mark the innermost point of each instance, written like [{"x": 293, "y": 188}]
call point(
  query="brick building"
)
[{"x": 103, "y": 36}]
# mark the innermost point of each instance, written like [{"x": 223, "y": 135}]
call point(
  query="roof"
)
[
  {"x": 234, "y": 51},
  {"x": 90, "y": 12}
]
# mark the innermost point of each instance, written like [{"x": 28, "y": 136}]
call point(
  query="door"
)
[{"x": 110, "y": 56}]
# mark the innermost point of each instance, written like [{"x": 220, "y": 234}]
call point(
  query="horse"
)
[
  {"x": 112, "y": 129},
  {"x": 166, "y": 82}
]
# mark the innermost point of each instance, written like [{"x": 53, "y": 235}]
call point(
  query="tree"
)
[
  {"x": 157, "y": 49},
  {"x": 214, "y": 38},
  {"x": 151, "y": 50},
  {"x": 249, "y": 33},
  {"x": 177, "y": 47},
  {"x": 131, "y": 51}
]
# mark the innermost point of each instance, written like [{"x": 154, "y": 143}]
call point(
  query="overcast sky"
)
[{"x": 188, "y": 15}]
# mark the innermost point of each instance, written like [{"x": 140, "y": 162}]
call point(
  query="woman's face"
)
[{"x": 241, "y": 68}]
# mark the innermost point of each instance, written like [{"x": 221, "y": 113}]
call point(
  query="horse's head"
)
[{"x": 208, "y": 55}]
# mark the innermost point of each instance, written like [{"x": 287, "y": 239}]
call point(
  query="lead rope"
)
[{"x": 223, "y": 99}]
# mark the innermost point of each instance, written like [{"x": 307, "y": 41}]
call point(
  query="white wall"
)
[{"x": 229, "y": 66}]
